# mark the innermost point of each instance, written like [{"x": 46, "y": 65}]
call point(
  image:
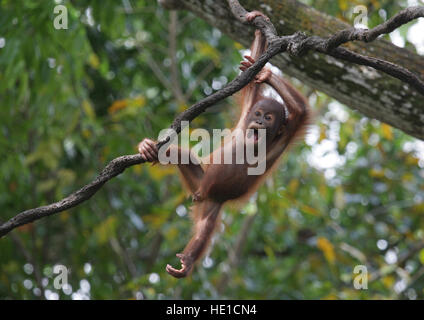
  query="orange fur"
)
[{"x": 217, "y": 184}]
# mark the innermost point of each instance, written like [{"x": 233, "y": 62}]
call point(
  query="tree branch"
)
[
  {"x": 114, "y": 168},
  {"x": 299, "y": 43},
  {"x": 367, "y": 35},
  {"x": 118, "y": 165},
  {"x": 296, "y": 44},
  {"x": 172, "y": 29}
]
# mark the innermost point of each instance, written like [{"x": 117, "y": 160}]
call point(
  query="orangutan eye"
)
[
  {"x": 257, "y": 113},
  {"x": 268, "y": 117}
]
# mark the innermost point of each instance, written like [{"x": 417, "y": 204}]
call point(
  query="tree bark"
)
[{"x": 373, "y": 93}]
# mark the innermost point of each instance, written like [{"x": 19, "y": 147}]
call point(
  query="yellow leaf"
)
[
  {"x": 418, "y": 208},
  {"x": 250, "y": 208},
  {"x": 150, "y": 292},
  {"x": 322, "y": 134},
  {"x": 309, "y": 210},
  {"x": 269, "y": 252},
  {"x": 293, "y": 185},
  {"x": 64, "y": 216},
  {"x": 238, "y": 46},
  {"x": 343, "y": 4},
  {"x": 323, "y": 190},
  {"x": 365, "y": 136},
  {"x": 377, "y": 173},
  {"x": 172, "y": 233},
  {"x": 157, "y": 220},
  {"x": 47, "y": 185},
  {"x": 88, "y": 109},
  {"x": 421, "y": 256},
  {"x": 407, "y": 177},
  {"x": 86, "y": 133},
  {"x": 66, "y": 176},
  {"x": 339, "y": 200},
  {"x": 159, "y": 172},
  {"x": 376, "y": 4},
  {"x": 137, "y": 169},
  {"x": 105, "y": 151},
  {"x": 32, "y": 157},
  {"x": 411, "y": 160},
  {"x": 388, "y": 281},
  {"x": 209, "y": 51},
  {"x": 117, "y": 105},
  {"x": 387, "y": 131},
  {"x": 106, "y": 229},
  {"x": 93, "y": 60},
  {"x": 182, "y": 107},
  {"x": 327, "y": 248},
  {"x": 331, "y": 296},
  {"x": 139, "y": 101}
]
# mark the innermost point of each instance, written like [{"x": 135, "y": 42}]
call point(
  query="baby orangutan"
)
[{"x": 214, "y": 184}]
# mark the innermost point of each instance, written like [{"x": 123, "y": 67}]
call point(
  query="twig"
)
[
  {"x": 412, "y": 251},
  {"x": 175, "y": 77},
  {"x": 154, "y": 66},
  {"x": 30, "y": 259},
  {"x": 367, "y": 35},
  {"x": 114, "y": 168},
  {"x": 299, "y": 43},
  {"x": 202, "y": 75},
  {"x": 236, "y": 251}
]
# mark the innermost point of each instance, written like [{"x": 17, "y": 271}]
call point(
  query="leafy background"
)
[{"x": 71, "y": 100}]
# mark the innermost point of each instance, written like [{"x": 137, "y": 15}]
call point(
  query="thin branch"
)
[
  {"x": 299, "y": 43},
  {"x": 153, "y": 65},
  {"x": 114, "y": 168},
  {"x": 409, "y": 254},
  {"x": 202, "y": 75},
  {"x": 368, "y": 35},
  {"x": 154, "y": 251},
  {"x": 236, "y": 251},
  {"x": 19, "y": 243},
  {"x": 235, "y": 85},
  {"x": 175, "y": 76}
]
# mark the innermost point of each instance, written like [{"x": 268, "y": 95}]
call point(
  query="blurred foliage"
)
[{"x": 71, "y": 100}]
